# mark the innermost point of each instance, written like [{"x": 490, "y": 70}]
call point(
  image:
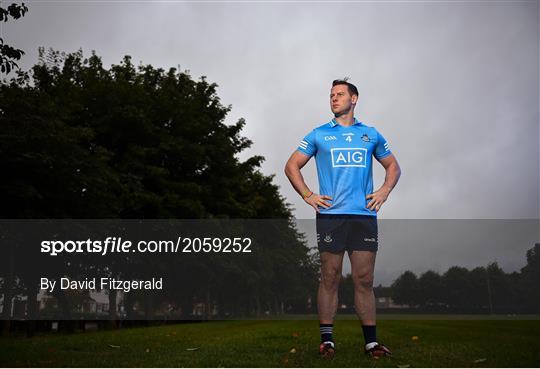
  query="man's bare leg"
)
[
  {"x": 363, "y": 267},
  {"x": 327, "y": 297}
]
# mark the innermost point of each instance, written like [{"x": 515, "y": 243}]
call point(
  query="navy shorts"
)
[{"x": 339, "y": 232}]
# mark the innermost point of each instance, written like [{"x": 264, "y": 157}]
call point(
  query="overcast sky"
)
[{"x": 453, "y": 86}]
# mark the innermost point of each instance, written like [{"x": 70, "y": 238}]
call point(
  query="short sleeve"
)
[
  {"x": 382, "y": 149},
  {"x": 307, "y": 145}
]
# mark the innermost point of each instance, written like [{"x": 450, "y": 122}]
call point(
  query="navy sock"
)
[
  {"x": 370, "y": 333},
  {"x": 326, "y": 332}
]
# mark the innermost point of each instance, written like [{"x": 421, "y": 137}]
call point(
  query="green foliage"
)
[
  {"x": 531, "y": 276},
  {"x": 79, "y": 140},
  {"x": 83, "y": 141},
  {"x": 455, "y": 286},
  {"x": 14, "y": 10},
  {"x": 482, "y": 289},
  {"x": 9, "y": 54},
  {"x": 405, "y": 289},
  {"x": 429, "y": 288}
]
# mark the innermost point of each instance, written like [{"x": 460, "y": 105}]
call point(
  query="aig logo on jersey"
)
[{"x": 349, "y": 157}]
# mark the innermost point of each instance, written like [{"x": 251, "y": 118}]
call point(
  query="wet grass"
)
[{"x": 289, "y": 343}]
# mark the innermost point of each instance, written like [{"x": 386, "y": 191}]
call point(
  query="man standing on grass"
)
[{"x": 346, "y": 208}]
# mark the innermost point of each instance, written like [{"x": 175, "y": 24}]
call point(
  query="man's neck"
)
[{"x": 346, "y": 119}]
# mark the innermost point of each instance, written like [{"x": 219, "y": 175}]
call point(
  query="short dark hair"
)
[{"x": 352, "y": 88}]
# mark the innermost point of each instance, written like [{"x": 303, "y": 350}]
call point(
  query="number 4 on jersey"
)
[{"x": 348, "y": 139}]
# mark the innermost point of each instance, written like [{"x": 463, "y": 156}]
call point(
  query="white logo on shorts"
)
[
  {"x": 328, "y": 238},
  {"x": 370, "y": 239}
]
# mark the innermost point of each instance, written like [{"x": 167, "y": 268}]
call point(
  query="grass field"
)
[{"x": 278, "y": 343}]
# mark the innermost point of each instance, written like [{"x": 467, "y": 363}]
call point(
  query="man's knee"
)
[
  {"x": 330, "y": 278},
  {"x": 363, "y": 282}
]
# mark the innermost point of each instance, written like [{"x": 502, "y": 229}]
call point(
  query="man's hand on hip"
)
[
  {"x": 377, "y": 199},
  {"x": 316, "y": 200}
]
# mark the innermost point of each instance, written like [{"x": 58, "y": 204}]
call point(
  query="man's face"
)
[{"x": 341, "y": 100}]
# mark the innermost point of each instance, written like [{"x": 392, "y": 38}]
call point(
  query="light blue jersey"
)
[{"x": 344, "y": 164}]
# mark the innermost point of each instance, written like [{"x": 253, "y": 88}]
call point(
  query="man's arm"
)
[
  {"x": 292, "y": 171},
  {"x": 393, "y": 172}
]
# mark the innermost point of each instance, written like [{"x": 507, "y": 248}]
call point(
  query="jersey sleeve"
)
[
  {"x": 307, "y": 145},
  {"x": 382, "y": 149}
]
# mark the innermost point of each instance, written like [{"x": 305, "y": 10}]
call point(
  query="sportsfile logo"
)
[{"x": 349, "y": 157}]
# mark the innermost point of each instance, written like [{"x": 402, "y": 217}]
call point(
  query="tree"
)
[
  {"x": 456, "y": 287},
  {"x": 531, "y": 278},
  {"x": 480, "y": 295},
  {"x": 429, "y": 289},
  {"x": 83, "y": 141},
  {"x": 142, "y": 143},
  {"x": 405, "y": 289},
  {"x": 9, "y": 54},
  {"x": 503, "y": 293},
  {"x": 346, "y": 291}
]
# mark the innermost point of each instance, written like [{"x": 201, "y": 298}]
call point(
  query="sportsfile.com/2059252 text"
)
[{"x": 119, "y": 245}]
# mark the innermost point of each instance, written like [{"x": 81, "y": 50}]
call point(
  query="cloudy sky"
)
[{"x": 453, "y": 86}]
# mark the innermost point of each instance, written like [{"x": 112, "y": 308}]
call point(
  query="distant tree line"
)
[{"x": 480, "y": 290}]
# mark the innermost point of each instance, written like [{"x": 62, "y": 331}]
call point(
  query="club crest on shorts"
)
[{"x": 328, "y": 238}]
